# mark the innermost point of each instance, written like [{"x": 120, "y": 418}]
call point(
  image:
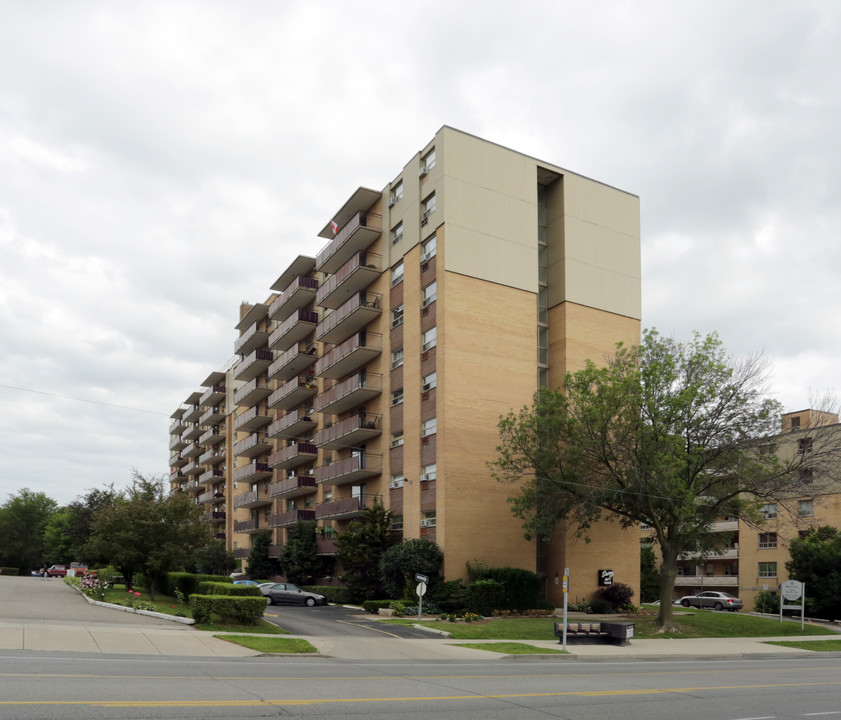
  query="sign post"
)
[
  {"x": 792, "y": 590},
  {"x": 421, "y": 591},
  {"x": 565, "y": 591}
]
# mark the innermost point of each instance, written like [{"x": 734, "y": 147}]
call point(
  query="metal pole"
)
[{"x": 566, "y": 597}]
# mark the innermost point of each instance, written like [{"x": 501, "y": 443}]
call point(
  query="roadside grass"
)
[
  {"x": 270, "y": 644},
  {"x": 511, "y": 648},
  {"x": 696, "y": 624},
  {"x": 816, "y": 645},
  {"x": 264, "y": 627}
]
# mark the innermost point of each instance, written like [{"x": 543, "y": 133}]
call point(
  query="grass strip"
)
[
  {"x": 816, "y": 645},
  {"x": 511, "y": 648},
  {"x": 270, "y": 644},
  {"x": 264, "y": 627}
]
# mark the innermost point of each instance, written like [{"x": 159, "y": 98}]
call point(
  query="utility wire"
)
[{"x": 85, "y": 400}]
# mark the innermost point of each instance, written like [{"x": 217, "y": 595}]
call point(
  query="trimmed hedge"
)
[
  {"x": 220, "y": 588},
  {"x": 9, "y": 570},
  {"x": 231, "y": 608},
  {"x": 373, "y": 606},
  {"x": 520, "y": 588},
  {"x": 188, "y": 583},
  {"x": 334, "y": 594}
]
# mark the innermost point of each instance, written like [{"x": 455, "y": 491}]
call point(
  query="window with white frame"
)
[
  {"x": 767, "y": 570},
  {"x": 767, "y": 540},
  {"x": 769, "y": 511},
  {"x": 397, "y": 316},
  {"x": 397, "y": 233},
  {"x": 429, "y": 473},
  {"x": 397, "y": 480},
  {"x": 428, "y": 160},
  {"x": 805, "y": 508},
  {"x": 397, "y": 397},
  {"x": 397, "y": 439},
  {"x": 429, "y": 427},
  {"x": 430, "y": 248},
  {"x": 430, "y": 338},
  {"x": 397, "y": 191},
  {"x": 396, "y": 358},
  {"x": 397, "y": 274},
  {"x": 430, "y": 292},
  {"x": 428, "y": 207},
  {"x": 397, "y": 523},
  {"x": 428, "y": 519},
  {"x": 430, "y": 381}
]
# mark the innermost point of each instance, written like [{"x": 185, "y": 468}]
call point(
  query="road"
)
[
  {"x": 82, "y": 687},
  {"x": 334, "y": 620}
]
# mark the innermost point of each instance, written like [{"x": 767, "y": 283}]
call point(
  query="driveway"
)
[{"x": 337, "y": 621}]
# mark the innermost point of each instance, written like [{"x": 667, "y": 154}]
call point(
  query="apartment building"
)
[
  {"x": 378, "y": 368},
  {"x": 757, "y": 555}
]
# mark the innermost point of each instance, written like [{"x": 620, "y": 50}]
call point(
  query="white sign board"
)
[
  {"x": 421, "y": 589},
  {"x": 792, "y": 590}
]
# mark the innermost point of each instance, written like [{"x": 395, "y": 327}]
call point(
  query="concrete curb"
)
[
  {"x": 442, "y": 633},
  {"x": 150, "y": 613}
]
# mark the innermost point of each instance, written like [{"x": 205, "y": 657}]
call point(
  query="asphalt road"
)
[
  {"x": 334, "y": 620},
  {"x": 68, "y": 688}
]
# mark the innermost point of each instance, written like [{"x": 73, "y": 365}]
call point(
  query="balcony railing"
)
[
  {"x": 358, "y": 467},
  {"x": 354, "y": 353},
  {"x": 246, "y": 526},
  {"x": 349, "y": 393},
  {"x": 252, "y": 419},
  {"x": 725, "y": 526},
  {"x": 251, "y": 393},
  {"x": 292, "y": 362},
  {"x": 212, "y": 477},
  {"x": 295, "y": 328},
  {"x": 350, "y": 431},
  {"x": 240, "y": 553},
  {"x": 193, "y": 413},
  {"x": 357, "y": 234},
  {"x": 211, "y": 416},
  {"x": 353, "y": 315},
  {"x": 212, "y": 436},
  {"x": 253, "y": 365},
  {"x": 343, "y": 508},
  {"x": 293, "y": 424},
  {"x": 706, "y": 581},
  {"x": 292, "y": 393},
  {"x": 192, "y": 468},
  {"x": 326, "y": 547},
  {"x": 298, "y": 453},
  {"x": 176, "y": 426},
  {"x": 252, "y": 446},
  {"x": 251, "y": 339},
  {"x": 355, "y": 275},
  {"x": 214, "y": 515},
  {"x": 290, "y": 518},
  {"x": 212, "y": 396},
  {"x": 293, "y": 486},
  {"x": 299, "y": 293},
  {"x": 252, "y": 472}
]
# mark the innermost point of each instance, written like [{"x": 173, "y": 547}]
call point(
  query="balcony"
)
[
  {"x": 192, "y": 432},
  {"x": 291, "y": 425},
  {"x": 211, "y": 477},
  {"x": 215, "y": 434},
  {"x": 298, "y": 453},
  {"x": 253, "y": 365},
  {"x": 252, "y": 472},
  {"x": 349, "y": 393},
  {"x": 706, "y": 582},
  {"x": 211, "y": 416},
  {"x": 292, "y": 487},
  {"x": 341, "y": 509},
  {"x": 212, "y": 396},
  {"x": 176, "y": 461},
  {"x": 177, "y": 443},
  {"x": 247, "y": 526},
  {"x": 326, "y": 547},
  {"x": 292, "y": 393},
  {"x": 176, "y": 427},
  {"x": 725, "y": 526},
  {"x": 290, "y": 518},
  {"x": 251, "y": 393},
  {"x": 240, "y": 553},
  {"x": 220, "y": 536},
  {"x": 353, "y": 315},
  {"x": 177, "y": 476},
  {"x": 354, "y": 353},
  {"x": 252, "y": 499},
  {"x": 300, "y": 293},
  {"x": 254, "y": 445},
  {"x": 193, "y": 450},
  {"x": 356, "y": 235},
  {"x": 214, "y": 516},
  {"x": 192, "y": 468},
  {"x": 251, "y": 339},
  {"x": 355, "y": 275},
  {"x": 275, "y": 551},
  {"x": 352, "y": 469},
  {"x": 350, "y": 431},
  {"x": 250, "y": 420},
  {"x": 193, "y": 414},
  {"x": 214, "y": 456},
  {"x": 207, "y": 497},
  {"x": 295, "y": 328},
  {"x": 293, "y": 362}
]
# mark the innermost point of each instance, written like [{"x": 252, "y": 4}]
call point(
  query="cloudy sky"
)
[{"x": 160, "y": 162}]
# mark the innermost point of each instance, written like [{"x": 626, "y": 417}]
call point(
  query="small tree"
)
[
  {"x": 399, "y": 564},
  {"x": 300, "y": 553},
  {"x": 259, "y": 564},
  {"x": 816, "y": 561},
  {"x": 649, "y": 576},
  {"x": 212, "y": 559}
]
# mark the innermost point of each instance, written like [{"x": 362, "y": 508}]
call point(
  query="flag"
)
[{"x": 335, "y": 226}]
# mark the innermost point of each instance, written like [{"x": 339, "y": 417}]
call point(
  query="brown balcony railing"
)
[
  {"x": 292, "y": 393},
  {"x": 356, "y": 234},
  {"x": 251, "y": 419},
  {"x": 351, "y": 316},
  {"x": 349, "y": 393},
  {"x": 344, "y": 507},
  {"x": 350, "y": 355},
  {"x": 295, "y": 485},
  {"x": 253, "y": 364},
  {"x": 295, "y": 328},
  {"x": 290, "y": 517},
  {"x": 356, "y": 274},
  {"x": 350, "y": 431},
  {"x": 246, "y": 526},
  {"x": 252, "y": 392},
  {"x": 254, "y": 444},
  {"x": 292, "y": 362},
  {"x": 349, "y": 469},
  {"x": 251, "y": 339},
  {"x": 295, "y": 454},
  {"x": 249, "y": 471},
  {"x": 212, "y": 395},
  {"x": 291, "y": 424},
  {"x": 298, "y": 292}
]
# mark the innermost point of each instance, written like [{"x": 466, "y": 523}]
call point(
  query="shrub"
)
[
  {"x": 373, "y": 606},
  {"x": 485, "y": 596},
  {"x": 520, "y": 588},
  {"x": 207, "y": 587},
  {"x": 450, "y": 596},
  {"x": 188, "y": 583},
  {"x": 600, "y": 606},
  {"x": 230, "y": 608},
  {"x": 9, "y": 570},
  {"x": 618, "y": 595},
  {"x": 335, "y": 594},
  {"x": 766, "y": 602},
  {"x": 398, "y": 607}
]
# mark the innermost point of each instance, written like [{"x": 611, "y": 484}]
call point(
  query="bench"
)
[{"x": 616, "y": 633}]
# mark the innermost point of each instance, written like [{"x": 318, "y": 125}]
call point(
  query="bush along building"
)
[{"x": 378, "y": 369}]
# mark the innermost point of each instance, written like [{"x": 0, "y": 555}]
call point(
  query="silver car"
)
[
  {"x": 287, "y": 593},
  {"x": 712, "y": 599}
]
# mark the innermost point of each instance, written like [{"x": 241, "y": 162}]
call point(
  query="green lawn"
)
[
  {"x": 817, "y": 645},
  {"x": 512, "y": 648},
  {"x": 264, "y": 627},
  {"x": 270, "y": 644}
]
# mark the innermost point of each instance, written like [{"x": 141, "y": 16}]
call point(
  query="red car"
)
[{"x": 57, "y": 570}]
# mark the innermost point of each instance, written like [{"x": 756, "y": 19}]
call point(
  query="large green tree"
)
[
  {"x": 148, "y": 530},
  {"x": 23, "y": 519},
  {"x": 671, "y": 434},
  {"x": 400, "y": 562},
  {"x": 300, "y": 553},
  {"x": 259, "y": 564},
  {"x": 816, "y": 561}
]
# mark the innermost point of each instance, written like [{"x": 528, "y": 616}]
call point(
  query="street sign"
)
[
  {"x": 421, "y": 578},
  {"x": 792, "y": 590},
  {"x": 421, "y": 589}
]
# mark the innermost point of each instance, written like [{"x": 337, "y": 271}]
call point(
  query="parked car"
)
[
  {"x": 246, "y": 582},
  {"x": 713, "y": 599},
  {"x": 79, "y": 568},
  {"x": 291, "y": 594},
  {"x": 57, "y": 570}
]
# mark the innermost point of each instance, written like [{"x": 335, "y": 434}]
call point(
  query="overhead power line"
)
[{"x": 84, "y": 400}]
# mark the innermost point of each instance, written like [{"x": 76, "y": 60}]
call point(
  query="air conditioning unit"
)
[
  {"x": 426, "y": 477},
  {"x": 395, "y": 484},
  {"x": 425, "y": 257},
  {"x": 392, "y": 201},
  {"x": 428, "y": 301},
  {"x": 427, "y": 523},
  {"x": 423, "y": 171}
]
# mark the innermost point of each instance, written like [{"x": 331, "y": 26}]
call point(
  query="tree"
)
[
  {"x": 816, "y": 561},
  {"x": 23, "y": 519},
  {"x": 649, "y": 577},
  {"x": 300, "y": 553},
  {"x": 399, "y": 564},
  {"x": 149, "y": 530},
  {"x": 360, "y": 548},
  {"x": 212, "y": 559},
  {"x": 259, "y": 564},
  {"x": 58, "y": 546},
  {"x": 674, "y": 435}
]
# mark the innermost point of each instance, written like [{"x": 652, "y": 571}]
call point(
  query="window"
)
[
  {"x": 397, "y": 439},
  {"x": 397, "y": 233},
  {"x": 806, "y": 476},
  {"x": 429, "y": 473},
  {"x": 397, "y": 397},
  {"x": 430, "y": 292},
  {"x": 429, "y": 249},
  {"x": 428, "y": 519},
  {"x": 429, "y": 427},
  {"x": 428, "y": 206},
  {"x": 397, "y": 480},
  {"x": 769, "y": 511},
  {"x": 430, "y": 381},
  {"x": 767, "y": 540},
  {"x": 397, "y": 358},
  {"x": 397, "y": 316},
  {"x": 430, "y": 339},
  {"x": 428, "y": 160},
  {"x": 397, "y": 523},
  {"x": 805, "y": 508},
  {"x": 767, "y": 569},
  {"x": 397, "y": 191},
  {"x": 795, "y": 423},
  {"x": 397, "y": 274},
  {"x": 805, "y": 445}
]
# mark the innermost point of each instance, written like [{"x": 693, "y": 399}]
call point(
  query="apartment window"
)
[
  {"x": 397, "y": 358},
  {"x": 806, "y": 476},
  {"x": 430, "y": 381},
  {"x": 767, "y": 540},
  {"x": 428, "y": 519},
  {"x": 397, "y": 191},
  {"x": 428, "y": 160},
  {"x": 429, "y": 427},
  {"x": 428, "y": 206},
  {"x": 397, "y": 316},
  {"x": 429, "y": 473},
  {"x": 767, "y": 569},
  {"x": 429, "y": 249},
  {"x": 397, "y": 397},
  {"x": 397, "y": 274},
  {"x": 805, "y": 508},
  {"x": 769, "y": 511},
  {"x": 397, "y": 480},
  {"x": 795, "y": 423},
  {"x": 430, "y": 339},
  {"x": 430, "y": 292},
  {"x": 397, "y": 523},
  {"x": 397, "y": 233},
  {"x": 397, "y": 439},
  {"x": 805, "y": 445}
]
